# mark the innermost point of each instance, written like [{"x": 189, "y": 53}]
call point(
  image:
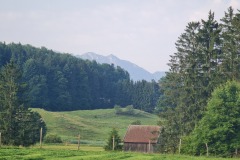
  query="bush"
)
[
  {"x": 129, "y": 110},
  {"x": 118, "y": 109},
  {"x": 137, "y": 122},
  {"x": 52, "y": 138}
]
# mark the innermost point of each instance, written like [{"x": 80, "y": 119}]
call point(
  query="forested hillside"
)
[{"x": 57, "y": 82}]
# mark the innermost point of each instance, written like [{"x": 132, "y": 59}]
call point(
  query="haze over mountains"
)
[{"x": 136, "y": 73}]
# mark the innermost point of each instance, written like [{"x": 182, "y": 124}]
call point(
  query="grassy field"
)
[
  {"x": 93, "y": 125},
  {"x": 70, "y": 152}
]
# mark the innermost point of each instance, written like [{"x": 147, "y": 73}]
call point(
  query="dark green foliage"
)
[
  {"x": 117, "y": 141},
  {"x": 62, "y": 82},
  {"x": 220, "y": 125},
  {"x": 145, "y": 95},
  {"x": 52, "y": 138},
  {"x": 230, "y": 47},
  {"x": 18, "y": 125},
  {"x": 28, "y": 131},
  {"x": 169, "y": 134},
  {"x": 207, "y": 56}
]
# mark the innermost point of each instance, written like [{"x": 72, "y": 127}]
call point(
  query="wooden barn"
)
[{"x": 141, "y": 138}]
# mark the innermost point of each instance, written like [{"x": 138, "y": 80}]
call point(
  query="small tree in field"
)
[{"x": 113, "y": 135}]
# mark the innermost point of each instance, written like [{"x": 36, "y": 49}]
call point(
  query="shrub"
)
[
  {"x": 52, "y": 138},
  {"x": 118, "y": 109},
  {"x": 137, "y": 122},
  {"x": 129, "y": 110}
]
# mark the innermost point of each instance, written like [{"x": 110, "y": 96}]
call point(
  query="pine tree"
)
[
  {"x": 230, "y": 48},
  {"x": 117, "y": 141},
  {"x": 18, "y": 125},
  {"x": 194, "y": 73},
  {"x": 180, "y": 89}
]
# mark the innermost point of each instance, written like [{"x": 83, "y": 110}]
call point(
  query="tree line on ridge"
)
[{"x": 61, "y": 82}]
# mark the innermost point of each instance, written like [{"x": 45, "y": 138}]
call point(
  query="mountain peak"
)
[
  {"x": 111, "y": 55},
  {"x": 136, "y": 73}
]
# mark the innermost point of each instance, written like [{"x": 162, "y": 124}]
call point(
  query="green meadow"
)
[
  {"x": 70, "y": 152},
  {"x": 93, "y": 126}
]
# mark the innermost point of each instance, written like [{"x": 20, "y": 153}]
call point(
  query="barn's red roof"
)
[{"x": 142, "y": 134}]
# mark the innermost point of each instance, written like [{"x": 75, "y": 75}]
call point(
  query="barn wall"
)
[{"x": 138, "y": 147}]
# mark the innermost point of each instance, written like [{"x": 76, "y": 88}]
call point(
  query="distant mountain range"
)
[{"x": 136, "y": 73}]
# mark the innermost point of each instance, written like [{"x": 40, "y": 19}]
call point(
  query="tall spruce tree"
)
[
  {"x": 194, "y": 73},
  {"x": 179, "y": 108},
  {"x": 18, "y": 125},
  {"x": 231, "y": 36}
]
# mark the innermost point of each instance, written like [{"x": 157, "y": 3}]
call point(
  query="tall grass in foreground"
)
[{"x": 70, "y": 152}]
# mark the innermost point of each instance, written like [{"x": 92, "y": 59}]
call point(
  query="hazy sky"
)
[{"x": 141, "y": 31}]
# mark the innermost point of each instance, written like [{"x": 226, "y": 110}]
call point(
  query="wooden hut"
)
[{"x": 141, "y": 138}]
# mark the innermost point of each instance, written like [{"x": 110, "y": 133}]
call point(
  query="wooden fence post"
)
[
  {"x": 0, "y": 139},
  {"x": 113, "y": 143},
  {"x": 180, "y": 143},
  {"x": 149, "y": 146},
  {"x": 41, "y": 137},
  {"x": 78, "y": 141}
]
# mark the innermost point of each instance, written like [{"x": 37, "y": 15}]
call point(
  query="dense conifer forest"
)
[{"x": 61, "y": 82}]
